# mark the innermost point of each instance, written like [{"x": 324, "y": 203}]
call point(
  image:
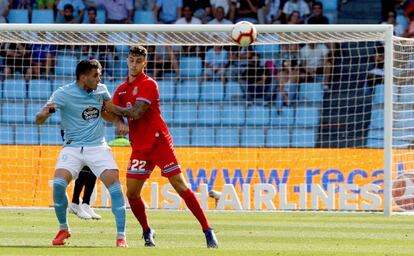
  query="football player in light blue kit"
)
[{"x": 81, "y": 107}]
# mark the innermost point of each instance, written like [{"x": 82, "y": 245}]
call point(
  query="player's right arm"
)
[{"x": 45, "y": 113}]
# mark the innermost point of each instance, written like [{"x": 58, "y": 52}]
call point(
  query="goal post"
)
[{"x": 300, "y": 120}]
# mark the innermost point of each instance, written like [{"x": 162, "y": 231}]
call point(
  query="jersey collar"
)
[{"x": 139, "y": 78}]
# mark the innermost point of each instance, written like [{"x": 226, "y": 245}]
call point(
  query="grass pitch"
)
[{"x": 30, "y": 232}]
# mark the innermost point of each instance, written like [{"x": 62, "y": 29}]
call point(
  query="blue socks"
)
[
  {"x": 60, "y": 201},
  {"x": 118, "y": 208}
]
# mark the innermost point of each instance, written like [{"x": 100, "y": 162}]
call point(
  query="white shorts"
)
[{"x": 98, "y": 159}]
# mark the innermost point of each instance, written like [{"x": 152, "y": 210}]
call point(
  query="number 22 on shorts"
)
[{"x": 138, "y": 165}]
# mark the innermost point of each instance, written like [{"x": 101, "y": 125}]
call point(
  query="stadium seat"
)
[
  {"x": 258, "y": 115},
  {"x": 185, "y": 114},
  {"x": 252, "y": 137},
  {"x": 377, "y": 119},
  {"x": 307, "y": 116},
  {"x": 12, "y": 112},
  {"x": 50, "y": 135},
  {"x": 330, "y": 5},
  {"x": 14, "y": 89},
  {"x": 403, "y": 138},
  {"x": 375, "y": 143},
  {"x": 181, "y": 136},
  {"x": 6, "y": 135},
  {"x": 227, "y": 137},
  {"x": 212, "y": 91},
  {"x": 167, "y": 112},
  {"x": 27, "y": 134},
  {"x": 31, "y": 110},
  {"x": 404, "y": 119},
  {"x": 39, "y": 89},
  {"x": 18, "y": 16},
  {"x": 191, "y": 67},
  {"x": 310, "y": 93},
  {"x": 167, "y": 89},
  {"x": 406, "y": 94},
  {"x": 120, "y": 68},
  {"x": 283, "y": 117},
  {"x": 303, "y": 138},
  {"x": 42, "y": 16},
  {"x": 278, "y": 138},
  {"x": 379, "y": 94},
  {"x": 188, "y": 90},
  {"x": 144, "y": 17},
  {"x": 233, "y": 91},
  {"x": 65, "y": 65},
  {"x": 376, "y": 134},
  {"x": 202, "y": 137},
  {"x": 208, "y": 115},
  {"x": 267, "y": 51},
  {"x": 233, "y": 115}
]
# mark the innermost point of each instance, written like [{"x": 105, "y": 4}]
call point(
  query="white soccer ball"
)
[{"x": 244, "y": 33}]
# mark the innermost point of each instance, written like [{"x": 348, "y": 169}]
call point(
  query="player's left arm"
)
[
  {"x": 116, "y": 119},
  {"x": 135, "y": 112}
]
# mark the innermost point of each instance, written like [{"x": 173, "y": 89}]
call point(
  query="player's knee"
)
[
  {"x": 178, "y": 183},
  {"x": 132, "y": 195}
]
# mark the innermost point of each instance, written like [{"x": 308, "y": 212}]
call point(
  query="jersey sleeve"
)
[
  {"x": 150, "y": 92},
  {"x": 57, "y": 98},
  {"x": 106, "y": 95}
]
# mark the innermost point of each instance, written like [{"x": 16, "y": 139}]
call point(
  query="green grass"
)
[{"x": 29, "y": 232}]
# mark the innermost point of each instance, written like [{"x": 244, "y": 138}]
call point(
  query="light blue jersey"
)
[{"x": 81, "y": 114}]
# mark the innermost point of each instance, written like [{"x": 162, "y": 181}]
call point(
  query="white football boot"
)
[
  {"x": 77, "y": 209},
  {"x": 86, "y": 208}
]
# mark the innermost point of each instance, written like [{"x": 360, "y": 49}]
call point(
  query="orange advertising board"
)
[{"x": 294, "y": 176}]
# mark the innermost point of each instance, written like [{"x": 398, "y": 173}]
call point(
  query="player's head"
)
[
  {"x": 88, "y": 74},
  {"x": 137, "y": 60}
]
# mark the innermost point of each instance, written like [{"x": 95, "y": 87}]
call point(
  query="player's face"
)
[
  {"x": 136, "y": 64},
  {"x": 93, "y": 78}
]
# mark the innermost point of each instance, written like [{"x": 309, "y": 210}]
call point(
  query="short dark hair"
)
[
  {"x": 85, "y": 66},
  {"x": 92, "y": 9},
  {"x": 68, "y": 7},
  {"x": 318, "y": 3},
  {"x": 138, "y": 50}
]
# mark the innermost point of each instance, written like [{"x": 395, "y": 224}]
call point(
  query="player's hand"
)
[
  {"x": 109, "y": 106},
  {"x": 123, "y": 129},
  {"x": 49, "y": 108}
]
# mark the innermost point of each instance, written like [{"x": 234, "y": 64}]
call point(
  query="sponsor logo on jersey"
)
[
  {"x": 90, "y": 114},
  {"x": 135, "y": 91},
  {"x": 120, "y": 93}
]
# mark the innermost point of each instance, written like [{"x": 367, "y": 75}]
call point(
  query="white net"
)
[{"x": 294, "y": 121}]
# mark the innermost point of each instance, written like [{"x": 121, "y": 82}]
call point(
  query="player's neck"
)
[
  {"x": 84, "y": 87},
  {"x": 132, "y": 78}
]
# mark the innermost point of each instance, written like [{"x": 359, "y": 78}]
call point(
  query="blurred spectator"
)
[
  {"x": 225, "y": 4},
  {"x": 216, "y": 63},
  {"x": 391, "y": 19},
  {"x": 288, "y": 82},
  {"x": 168, "y": 11},
  {"x": 4, "y": 10},
  {"x": 45, "y": 4},
  {"x": 314, "y": 57},
  {"x": 258, "y": 81},
  {"x": 188, "y": 17},
  {"x": 317, "y": 16},
  {"x": 23, "y": 4},
  {"x": 290, "y": 52},
  {"x": 17, "y": 59},
  {"x": 248, "y": 10},
  {"x": 92, "y": 14},
  {"x": 201, "y": 9},
  {"x": 68, "y": 17},
  {"x": 77, "y": 5},
  {"x": 165, "y": 61},
  {"x": 296, "y": 5},
  {"x": 376, "y": 74},
  {"x": 219, "y": 17},
  {"x": 43, "y": 59},
  {"x": 409, "y": 32},
  {"x": 272, "y": 11},
  {"x": 239, "y": 60},
  {"x": 145, "y": 5},
  {"x": 117, "y": 11},
  {"x": 294, "y": 18}
]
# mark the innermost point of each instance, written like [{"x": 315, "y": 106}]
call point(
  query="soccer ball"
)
[
  {"x": 244, "y": 33},
  {"x": 403, "y": 191}
]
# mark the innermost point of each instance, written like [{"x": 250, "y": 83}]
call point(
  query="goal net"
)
[{"x": 293, "y": 122}]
